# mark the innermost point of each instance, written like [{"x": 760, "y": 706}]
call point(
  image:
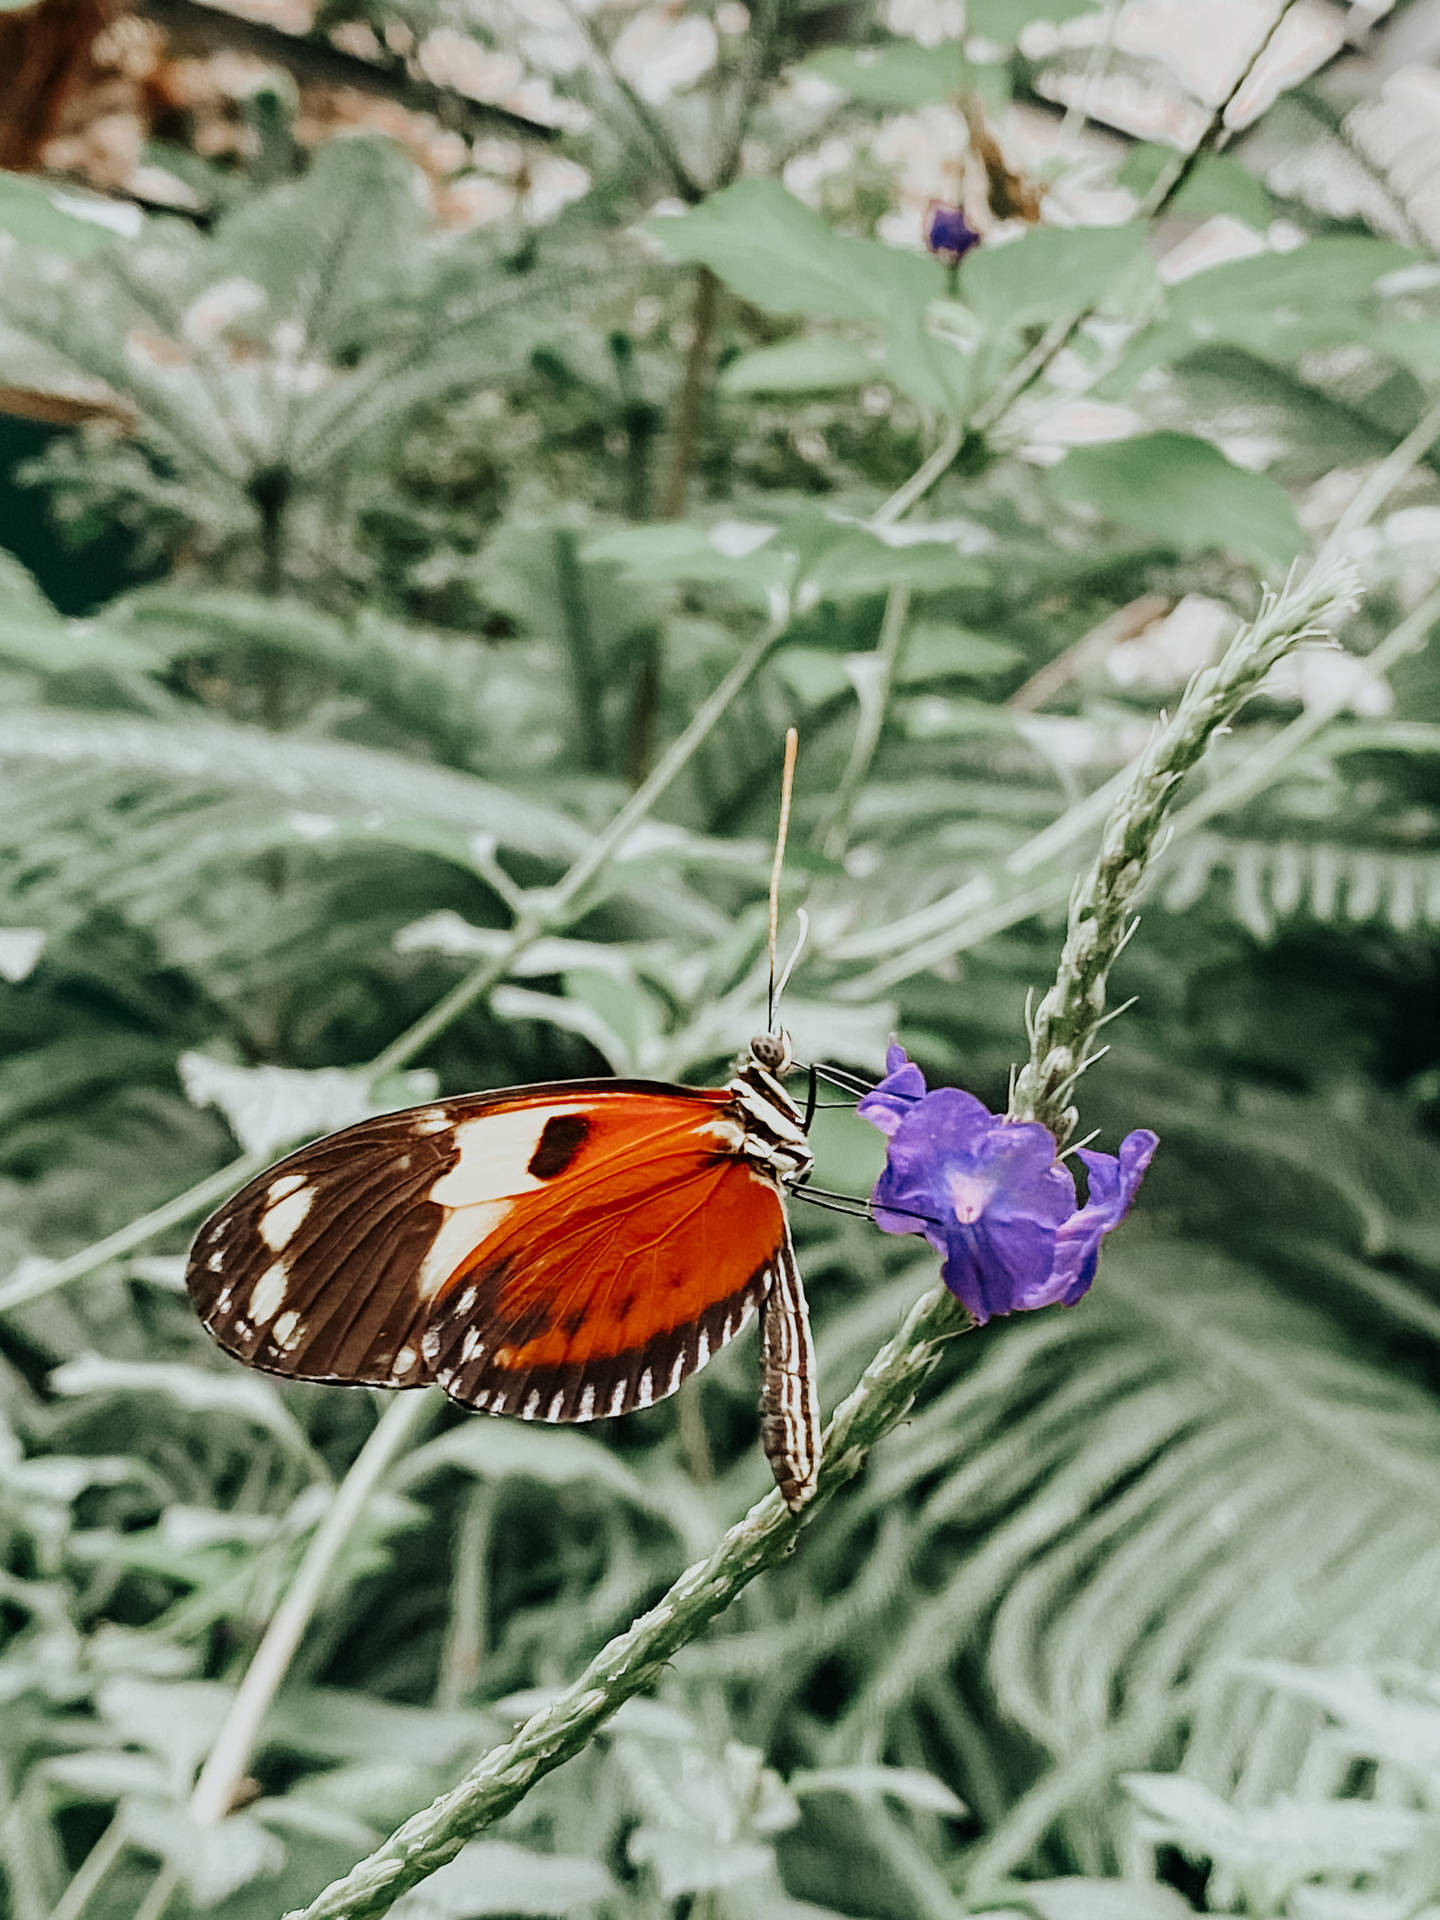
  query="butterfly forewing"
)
[{"x": 562, "y": 1252}]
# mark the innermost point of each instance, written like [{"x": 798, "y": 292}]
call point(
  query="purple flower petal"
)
[
  {"x": 947, "y": 232},
  {"x": 991, "y": 1195},
  {"x": 885, "y": 1106}
]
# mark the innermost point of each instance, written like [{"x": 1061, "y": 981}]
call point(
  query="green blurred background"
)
[{"x": 411, "y": 413}]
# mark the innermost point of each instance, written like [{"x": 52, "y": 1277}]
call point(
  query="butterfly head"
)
[{"x": 773, "y": 1052}]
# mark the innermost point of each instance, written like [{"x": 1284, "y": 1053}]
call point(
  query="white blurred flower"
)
[
  {"x": 1078, "y": 423},
  {"x": 535, "y": 194},
  {"x": 661, "y": 53},
  {"x": 928, "y": 21},
  {"x": 1329, "y": 678},
  {"x": 212, "y": 313},
  {"x": 805, "y": 174},
  {"x": 1170, "y": 650}
]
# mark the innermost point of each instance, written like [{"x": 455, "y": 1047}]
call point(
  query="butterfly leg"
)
[{"x": 789, "y": 1410}]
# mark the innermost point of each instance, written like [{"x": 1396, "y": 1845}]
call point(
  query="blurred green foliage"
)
[{"x": 450, "y": 535}]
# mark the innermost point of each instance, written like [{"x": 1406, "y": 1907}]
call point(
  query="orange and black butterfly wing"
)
[
  {"x": 560, "y": 1252},
  {"x": 609, "y": 1294}
]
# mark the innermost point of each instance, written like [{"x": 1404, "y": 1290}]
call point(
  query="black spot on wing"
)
[{"x": 562, "y": 1139}]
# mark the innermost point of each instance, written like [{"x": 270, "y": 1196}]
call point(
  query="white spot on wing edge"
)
[
  {"x": 617, "y": 1398},
  {"x": 557, "y": 1406},
  {"x": 586, "y": 1409},
  {"x": 286, "y": 1330},
  {"x": 677, "y": 1371},
  {"x": 645, "y": 1392},
  {"x": 532, "y": 1402},
  {"x": 268, "y": 1294},
  {"x": 282, "y": 1221},
  {"x": 286, "y": 1184},
  {"x": 702, "y": 1347},
  {"x": 404, "y": 1360}
]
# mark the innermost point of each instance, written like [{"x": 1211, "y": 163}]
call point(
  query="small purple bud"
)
[{"x": 948, "y": 234}]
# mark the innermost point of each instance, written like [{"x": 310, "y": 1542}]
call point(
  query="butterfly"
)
[{"x": 563, "y": 1252}]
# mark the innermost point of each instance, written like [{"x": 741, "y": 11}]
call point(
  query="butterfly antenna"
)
[{"x": 787, "y": 787}]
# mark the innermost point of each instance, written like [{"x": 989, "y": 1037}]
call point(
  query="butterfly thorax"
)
[{"x": 773, "y": 1137}]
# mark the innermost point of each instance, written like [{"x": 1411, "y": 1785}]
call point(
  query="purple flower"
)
[
  {"x": 948, "y": 233},
  {"x": 990, "y": 1194}
]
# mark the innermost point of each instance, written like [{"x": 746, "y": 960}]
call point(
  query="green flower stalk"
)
[{"x": 1064, "y": 1026}]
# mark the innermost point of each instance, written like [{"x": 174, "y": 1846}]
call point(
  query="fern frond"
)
[
  {"x": 1121, "y": 1502},
  {"x": 1333, "y": 883}
]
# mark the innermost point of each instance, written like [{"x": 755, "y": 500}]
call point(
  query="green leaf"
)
[
  {"x": 684, "y": 1860},
  {"x": 212, "y": 1861},
  {"x": 500, "y": 1450},
  {"x": 1046, "y": 272},
  {"x": 240, "y": 1396},
  {"x": 1074, "y": 1898},
  {"x": 1005, "y": 20},
  {"x": 906, "y": 1784},
  {"x": 899, "y": 73},
  {"x": 497, "y": 1877},
  {"x": 1184, "y": 491},
  {"x": 35, "y": 636},
  {"x": 816, "y": 364},
  {"x": 1290, "y": 1839},
  {"x": 269, "y": 1108},
  {"x": 773, "y": 251},
  {"x": 60, "y": 219},
  {"x": 1277, "y": 305}
]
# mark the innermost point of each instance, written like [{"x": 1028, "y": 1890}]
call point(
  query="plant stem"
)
[
  {"x": 921, "y": 481},
  {"x": 835, "y": 827},
  {"x": 634, "y": 1658},
  {"x": 1064, "y": 1025},
  {"x": 85, "y": 1882},
  {"x": 685, "y": 432},
  {"x": 225, "y": 1766},
  {"x": 587, "y": 684}
]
